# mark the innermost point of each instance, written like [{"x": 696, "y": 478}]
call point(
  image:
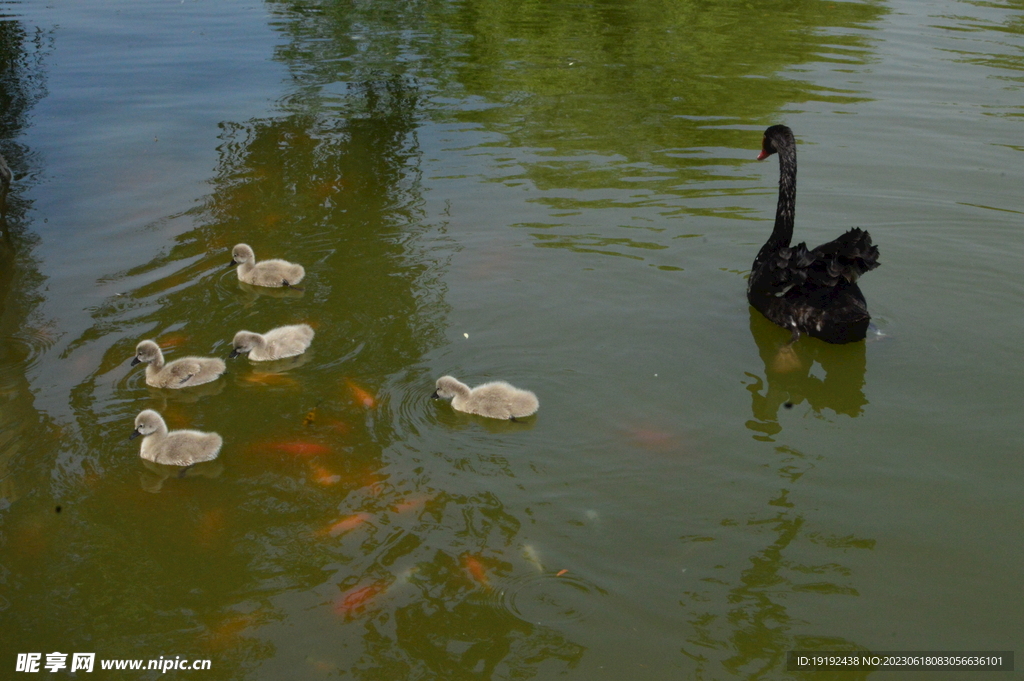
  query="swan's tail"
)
[{"x": 849, "y": 256}]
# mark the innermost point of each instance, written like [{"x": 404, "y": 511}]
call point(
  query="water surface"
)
[{"x": 560, "y": 195}]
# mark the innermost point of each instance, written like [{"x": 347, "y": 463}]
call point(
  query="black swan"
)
[{"x": 811, "y": 291}]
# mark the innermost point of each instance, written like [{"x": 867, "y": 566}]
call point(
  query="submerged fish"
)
[
  {"x": 532, "y": 557},
  {"x": 269, "y": 378},
  {"x": 310, "y": 417},
  {"x": 361, "y": 395},
  {"x": 476, "y": 569},
  {"x": 358, "y": 597},
  {"x": 172, "y": 340},
  {"x": 345, "y": 524},
  {"x": 653, "y": 438}
]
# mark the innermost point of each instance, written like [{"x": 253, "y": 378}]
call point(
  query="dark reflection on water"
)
[
  {"x": 752, "y": 640},
  {"x": 152, "y": 480},
  {"x": 466, "y": 638},
  {"x": 30, "y": 442},
  {"x": 789, "y": 372},
  {"x": 28, "y": 439}
]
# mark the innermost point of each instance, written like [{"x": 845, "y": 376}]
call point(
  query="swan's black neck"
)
[
  {"x": 783, "y": 144},
  {"x": 786, "y": 210}
]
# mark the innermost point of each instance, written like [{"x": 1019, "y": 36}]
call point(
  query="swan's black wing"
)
[
  {"x": 802, "y": 270},
  {"x": 849, "y": 256}
]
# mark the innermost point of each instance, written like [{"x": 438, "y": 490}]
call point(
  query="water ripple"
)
[
  {"x": 547, "y": 598},
  {"x": 24, "y": 349}
]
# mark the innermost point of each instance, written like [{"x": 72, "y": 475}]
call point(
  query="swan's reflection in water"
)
[
  {"x": 152, "y": 479},
  {"x": 163, "y": 398},
  {"x": 250, "y": 294},
  {"x": 272, "y": 374},
  {"x": 792, "y": 377}
]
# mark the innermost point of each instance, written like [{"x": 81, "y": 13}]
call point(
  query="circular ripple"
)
[
  {"x": 228, "y": 287},
  {"x": 408, "y": 397},
  {"x": 23, "y": 350},
  {"x": 548, "y": 599}
]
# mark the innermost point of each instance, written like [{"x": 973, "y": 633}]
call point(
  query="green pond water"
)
[{"x": 561, "y": 195}]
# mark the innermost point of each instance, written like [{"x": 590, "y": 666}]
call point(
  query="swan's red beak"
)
[{"x": 763, "y": 155}]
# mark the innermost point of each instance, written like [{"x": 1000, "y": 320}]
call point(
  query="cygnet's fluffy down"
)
[
  {"x": 175, "y": 448},
  {"x": 284, "y": 341},
  {"x": 266, "y": 272},
  {"x": 496, "y": 400},
  {"x": 181, "y": 373}
]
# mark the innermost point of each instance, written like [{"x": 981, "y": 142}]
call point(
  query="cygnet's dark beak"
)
[
  {"x": 435, "y": 396},
  {"x": 232, "y": 264},
  {"x": 234, "y": 353},
  {"x": 135, "y": 360},
  {"x": 135, "y": 434}
]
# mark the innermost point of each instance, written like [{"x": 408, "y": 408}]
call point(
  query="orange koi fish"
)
[
  {"x": 356, "y": 598},
  {"x": 172, "y": 340},
  {"x": 363, "y": 397},
  {"x": 654, "y": 438},
  {"x": 476, "y": 569},
  {"x": 269, "y": 378},
  {"x": 345, "y": 524}
]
